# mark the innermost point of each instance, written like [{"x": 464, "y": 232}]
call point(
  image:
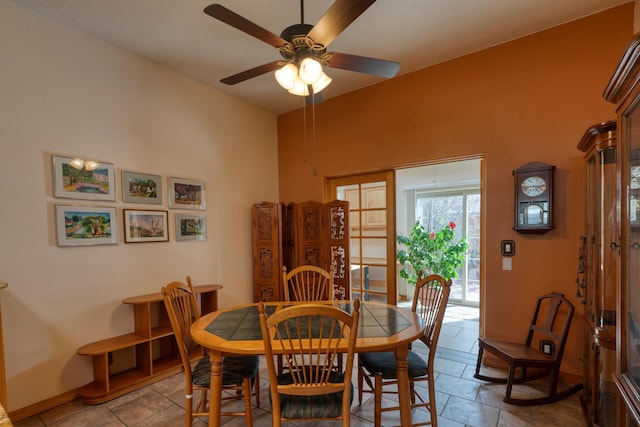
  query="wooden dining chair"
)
[
  {"x": 308, "y": 283},
  {"x": 237, "y": 371},
  {"x": 429, "y": 302},
  {"x": 310, "y": 336},
  {"x": 539, "y": 355}
]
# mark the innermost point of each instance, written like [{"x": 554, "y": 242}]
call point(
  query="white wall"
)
[{"x": 63, "y": 92}]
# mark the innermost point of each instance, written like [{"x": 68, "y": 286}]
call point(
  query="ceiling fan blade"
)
[
  {"x": 229, "y": 17},
  {"x": 336, "y": 19},
  {"x": 363, "y": 64},
  {"x": 253, "y": 72}
]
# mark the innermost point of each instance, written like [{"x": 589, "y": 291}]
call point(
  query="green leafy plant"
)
[{"x": 430, "y": 253}]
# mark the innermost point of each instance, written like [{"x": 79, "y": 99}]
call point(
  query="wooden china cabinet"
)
[
  {"x": 598, "y": 274},
  {"x": 310, "y": 233},
  {"x": 624, "y": 91}
]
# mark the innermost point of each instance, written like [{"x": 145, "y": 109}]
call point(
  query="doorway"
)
[
  {"x": 383, "y": 204},
  {"x": 438, "y": 194}
]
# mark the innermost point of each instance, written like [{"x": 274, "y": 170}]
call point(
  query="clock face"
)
[{"x": 533, "y": 186}]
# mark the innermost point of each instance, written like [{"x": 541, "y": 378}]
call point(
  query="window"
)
[{"x": 435, "y": 210}]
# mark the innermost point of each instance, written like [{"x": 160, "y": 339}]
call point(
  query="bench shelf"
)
[{"x": 131, "y": 361}]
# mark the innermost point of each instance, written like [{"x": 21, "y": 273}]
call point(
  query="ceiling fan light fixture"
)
[
  {"x": 310, "y": 70},
  {"x": 287, "y": 76},
  {"x": 299, "y": 88},
  {"x": 321, "y": 83}
]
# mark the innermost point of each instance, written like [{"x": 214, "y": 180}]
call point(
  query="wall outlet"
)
[{"x": 547, "y": 347}]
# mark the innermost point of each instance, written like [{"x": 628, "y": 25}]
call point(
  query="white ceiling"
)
[{"x": 416, "y": 33}]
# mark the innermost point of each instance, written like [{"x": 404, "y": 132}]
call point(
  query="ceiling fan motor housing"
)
[{"x": 300, "y": 46}]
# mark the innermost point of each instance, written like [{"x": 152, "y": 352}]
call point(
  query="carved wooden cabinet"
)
[
  {"x": 309, "y": 233},
  {"x": 624, "y": 91},
  {"x": 267, "y": 250},
  {"x": 598, "y": 278}
]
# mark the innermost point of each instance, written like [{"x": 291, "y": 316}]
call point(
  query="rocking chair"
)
[{"x": 541, "y": 351}]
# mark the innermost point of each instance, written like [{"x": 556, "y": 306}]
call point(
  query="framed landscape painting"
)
[
  {"x": 141, "y": 188},
  {"x": 191, "y": 227},
  {"x": 145, "y": 226},
  {"x": 186, "y": 193},
  {"x": 84, "y": 226},
  {"x": 80, "y": 179}
]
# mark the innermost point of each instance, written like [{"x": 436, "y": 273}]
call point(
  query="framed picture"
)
[
  {"x": 141, "y": 188},
  {"x": 145, "y": 226},
  {"x": 83, "y": 179},
  {"x": 191, "y": 227},
  {"x": 84, "y": 226},
  {"x": 186, "y": 193}
]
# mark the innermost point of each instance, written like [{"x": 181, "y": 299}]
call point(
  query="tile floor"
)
[{"x": 461, "y": 399}]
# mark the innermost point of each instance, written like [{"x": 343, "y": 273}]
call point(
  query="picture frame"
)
[
  {"x": 86, "y": 226},
  {"x": 141, "y": 188},
  {"x": 191, "y": 227},
  {"x": 75, "y": 178},
  {"x": 145, "y": 226},
  {"x": 186, "y": 193}
]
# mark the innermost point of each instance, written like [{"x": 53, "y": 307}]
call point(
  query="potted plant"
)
[{"x": 430, "y": 253}]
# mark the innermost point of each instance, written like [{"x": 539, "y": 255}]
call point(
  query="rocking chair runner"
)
[{"x": 542, "y": 350}]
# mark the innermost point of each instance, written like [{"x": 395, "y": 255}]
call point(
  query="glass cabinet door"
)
[{"x": 628, "y": 377}]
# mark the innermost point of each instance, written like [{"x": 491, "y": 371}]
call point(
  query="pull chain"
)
[
  {"x": 304, "y": 130},
  {"x": 313, "y": 117}
]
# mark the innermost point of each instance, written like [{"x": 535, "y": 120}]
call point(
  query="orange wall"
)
[{"x": 528, "y": 100}]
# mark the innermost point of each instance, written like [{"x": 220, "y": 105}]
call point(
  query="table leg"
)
[
  {"x": 215, "y": 389},
  {"x": 402, "y": 373}
]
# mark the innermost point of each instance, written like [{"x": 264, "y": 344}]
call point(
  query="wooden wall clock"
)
[{"x": 534, "y": 198}]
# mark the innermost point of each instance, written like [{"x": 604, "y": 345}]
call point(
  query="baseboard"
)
[{"x": 45, "y": 405}]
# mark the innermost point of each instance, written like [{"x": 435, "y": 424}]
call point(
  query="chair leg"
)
[
  {"x": 360, "y": 383},
  {"x": 257, "y": 389},
  {"x": 433, "y": 410},
  {"x": 553, "y": 384},
  {"x": 246, "y": 383},
  {"x": 279, "y": 363},
  {"x": 479, "y": 362},
  {"x": 188, "y": 408},
  {"x": 412, "y": 392},
  {"x": 378, "y": 400},
  {"x": 510, "y": 380}
]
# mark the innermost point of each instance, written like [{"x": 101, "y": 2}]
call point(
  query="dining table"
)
[{"x": 236, "y": 331}]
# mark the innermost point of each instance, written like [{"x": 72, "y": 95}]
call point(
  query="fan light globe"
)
[
  {"x": 321, "y": 83},
  {"x": 310, "y": 70},
  {"x": 299, "y": 88},
  {"x": 287, "y": 76}
]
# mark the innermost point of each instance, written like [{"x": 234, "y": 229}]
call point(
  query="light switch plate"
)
[{"x": 506, "y": 263}]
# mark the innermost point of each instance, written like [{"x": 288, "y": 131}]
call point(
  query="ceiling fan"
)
[{"x": 304, "y": 49}]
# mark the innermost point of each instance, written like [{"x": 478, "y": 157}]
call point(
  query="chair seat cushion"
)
[
  {"x": 321, "y": 406},
  {"x": 384, "y": 363},
  {"x": 234, "y": 370}
]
